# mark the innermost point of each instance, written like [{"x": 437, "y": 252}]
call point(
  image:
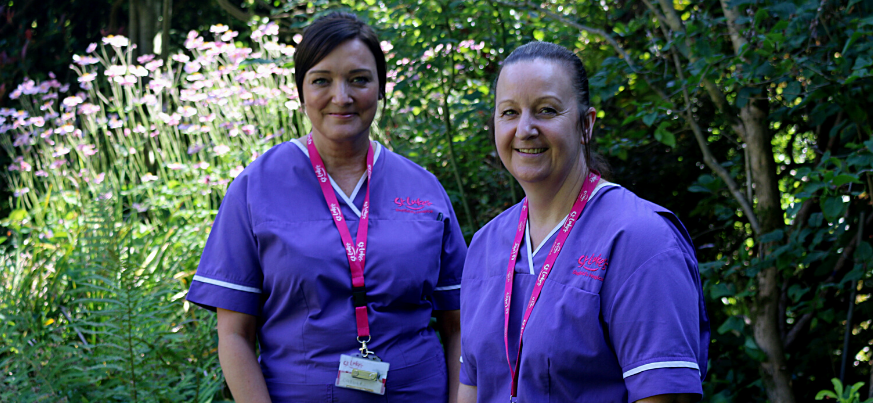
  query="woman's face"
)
[
  {"x": 536, "y": 122},
  {"x": 341, "y": 92}
]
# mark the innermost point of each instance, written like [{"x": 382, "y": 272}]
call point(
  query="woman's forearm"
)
[
  {"x": 241, "y": 370},
  {"x": 449, "y": 325}
]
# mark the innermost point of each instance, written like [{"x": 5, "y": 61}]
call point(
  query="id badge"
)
[{"x": 362, "y": 374}]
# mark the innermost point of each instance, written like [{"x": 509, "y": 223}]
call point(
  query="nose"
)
[
  {"x": 341, "y": 94},
  {"x": 527, "y": 126}
]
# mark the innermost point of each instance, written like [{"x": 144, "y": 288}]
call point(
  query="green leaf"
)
[
  {"x": 791, "y": 92},
  {"x": 733, "y": 323},
  {"x": 665, "y": 136},
  {"x": 771, "y": 236},
  {"x": 863, "y": 252},
  {"x": 843, "y": 179},
  {"x": 650, "y": 118},
  {"x": 832, "y": 207},
  {"x": 721, "y": 290}
]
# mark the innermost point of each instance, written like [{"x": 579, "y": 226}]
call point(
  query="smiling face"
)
[
  {"x": 341, "y": 93},
  {"x": 537, "y": 130}
]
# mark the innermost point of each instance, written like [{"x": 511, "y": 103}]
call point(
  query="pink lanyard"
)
[
  {"x": 581, "y": 201},
  {"x": 356, "y": 255}
]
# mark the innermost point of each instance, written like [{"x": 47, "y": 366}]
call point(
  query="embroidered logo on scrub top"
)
[
  {"x": 591, "y": 263},
  {"x": 410, "y": 205}
]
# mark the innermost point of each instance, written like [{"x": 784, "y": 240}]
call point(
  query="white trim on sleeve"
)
[
  {"x": 448, "y": 287},
  {"x": 662, "y": 364},
  {"x": 225, "y": 284}
]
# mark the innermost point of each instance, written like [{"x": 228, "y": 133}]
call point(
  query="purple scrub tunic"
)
[
  {"x": 620, "y": 317},
  {"x": 274, "y": 252}
]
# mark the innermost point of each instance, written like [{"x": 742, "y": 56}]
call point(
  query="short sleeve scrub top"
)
[
  {"x": 620, "y": 317},
  {"x": 274, "y": 252}
]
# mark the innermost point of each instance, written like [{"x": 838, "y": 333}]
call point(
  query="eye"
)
[
  {"x": 361, "y": 80},
  {"x": 319, "y": 81},
  {"x": 508, "y": 112},
  {"x": 548, "y": 110}
]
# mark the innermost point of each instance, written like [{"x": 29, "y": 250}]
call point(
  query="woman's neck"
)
[
  {"x": 345, "y": 161},
  {"x": 548, "y": 204}
]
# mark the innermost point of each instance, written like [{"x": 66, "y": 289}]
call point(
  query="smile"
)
[{"x": 531, "y": 150}]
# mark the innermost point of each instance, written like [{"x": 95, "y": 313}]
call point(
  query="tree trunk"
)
[
  {"x": 144, "y": 25},
  {"x": 765, "y": 307}
]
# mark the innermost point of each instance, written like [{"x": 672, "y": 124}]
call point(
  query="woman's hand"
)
[
  {"x": 449, "y": 326},
  {"x": 236, "y": 352}
]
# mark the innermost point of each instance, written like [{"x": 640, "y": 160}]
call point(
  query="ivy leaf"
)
[
  {"x": 863, "y": 252},
  {"x": 665, "y": 136},
  {"x": 650, "y": 118}
]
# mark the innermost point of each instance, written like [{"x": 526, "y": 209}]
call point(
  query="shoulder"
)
[
  {"x": 622, "y": 214},
  {"x": 281, "y": 163},
  {"x": 498, "y": 230}
]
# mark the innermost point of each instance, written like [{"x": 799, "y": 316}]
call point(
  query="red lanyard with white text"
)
[
  {"x": 355, "y": 252},
  {"x": 581, "y": 201}
]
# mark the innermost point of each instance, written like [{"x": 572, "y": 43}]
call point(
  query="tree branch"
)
[{"x": 235, "y": 11}]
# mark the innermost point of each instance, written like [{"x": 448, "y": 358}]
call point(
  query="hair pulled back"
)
[{"x": 548, "y": 51}]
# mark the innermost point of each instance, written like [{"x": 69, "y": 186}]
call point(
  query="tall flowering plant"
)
[
  {"x": 116, "y": 178},
  {"x": 153, "y": 132}
]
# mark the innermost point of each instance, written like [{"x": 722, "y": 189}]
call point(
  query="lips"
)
[{"x": 531, "y": 150}]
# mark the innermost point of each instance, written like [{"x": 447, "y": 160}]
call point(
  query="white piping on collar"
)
[
  {"x": 527, "y": 242},
  {"x": 348, "y": 199}
]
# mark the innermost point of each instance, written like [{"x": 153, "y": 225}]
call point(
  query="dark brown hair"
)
[
  {"x": 560, "y": 55},
  {"x": 326, "y": 34}
]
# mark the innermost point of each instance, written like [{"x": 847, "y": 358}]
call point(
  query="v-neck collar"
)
[
  {"x": 531, "y": 255},
  {"x": 348, "y": 199}
]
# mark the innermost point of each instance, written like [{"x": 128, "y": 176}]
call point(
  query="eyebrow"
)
[
  {"x": 355, "y": 71},
  {"x": 540, "y": 99}
]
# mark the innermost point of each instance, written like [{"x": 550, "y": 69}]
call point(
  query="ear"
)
[{"x": 589, "y": 117}]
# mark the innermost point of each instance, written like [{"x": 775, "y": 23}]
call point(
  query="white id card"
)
[{"x": 362, "y": 374}]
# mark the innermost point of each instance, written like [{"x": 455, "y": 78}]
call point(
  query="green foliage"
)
[{"x": 841, "y": 395}]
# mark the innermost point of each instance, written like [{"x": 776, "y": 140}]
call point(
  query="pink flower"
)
[
  {"x": 195, "y": 149},
  {"x": 99, "y": 178},
  {"x": 92, "y": 47},
  {"x": 145, "y": 58},
  {"x": 148, "y": 178},
  {"x": 192, "y": 67},
  {"x": 175, "y": 166},
  {"x": 115, "y": 70},
  {"x": 229, "y": 35},
  {"x": 235, "y": 171},
  {"x": 58, "y": 163},
  {"x": 125, "y": 80},
  {"x": 42, "y": 173},
  {"x": 181, "y": 58},
  {"x": 140, "y": 207},
  {"x": 170, "y": 120},
  {"x": 37, "y": 121},
  {"x": 116, "y": 41},
  {"x": 71, "y": 102},
  {"x": 87, "y": 149},
  {"x": 87, "y": 77},
  {"x": 187, "y": 111},
  {"x": 220, "y": 149},
  {"x": 138, "y": 71},
  {"x": 201, "y": 165},
  {"x": 217, "y": 28},
  {"x": 20, "y": 192},
  {"x": 85, "y": 60},
  {"x": 88, "y": 109},
  {"x": 208, "y": 118},
  {"x": 153, "y": 65}
]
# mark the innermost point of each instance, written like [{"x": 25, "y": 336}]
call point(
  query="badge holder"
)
[{"x": 362, "y": 371}]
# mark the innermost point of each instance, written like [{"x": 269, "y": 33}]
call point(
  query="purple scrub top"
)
[
  {"x": 620, "y": 317},
  {"x": 275, "y": 253}
]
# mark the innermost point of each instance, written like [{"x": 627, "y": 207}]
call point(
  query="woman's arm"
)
[
  {"x": 449, "y": 326},
  {"x": 670, "y": 398},
  {"x": 466, "y": 394},
  {"x": 236, "y": 352}
]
